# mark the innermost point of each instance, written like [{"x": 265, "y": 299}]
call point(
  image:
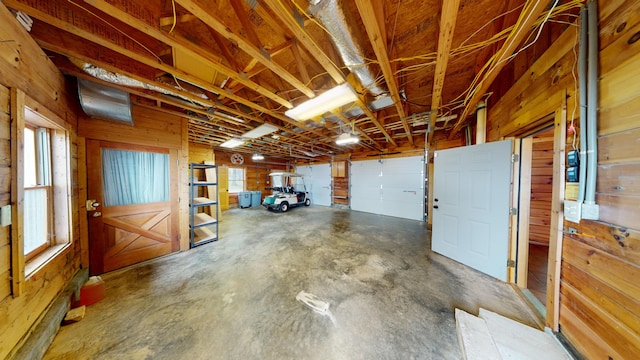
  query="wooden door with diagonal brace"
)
[{"x": 136, "y": 213}]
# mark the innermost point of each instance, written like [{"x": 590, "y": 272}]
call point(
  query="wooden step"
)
[
  {"x": 518, "y": 341},
  {"x": 475, "y": 340}
]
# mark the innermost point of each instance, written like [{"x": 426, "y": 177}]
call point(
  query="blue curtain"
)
[{"x": 133, "y": 177}]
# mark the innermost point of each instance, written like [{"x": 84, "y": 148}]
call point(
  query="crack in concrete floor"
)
[{"x": 391, "y": 297}]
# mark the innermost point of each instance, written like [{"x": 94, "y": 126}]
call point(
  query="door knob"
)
[
  {"x": 436, "y": 199},
  {"x": 97, "y": 214},
  {"x": 435, "y": 206}
]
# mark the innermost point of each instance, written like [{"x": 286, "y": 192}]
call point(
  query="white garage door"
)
[
  {"x": 318, "y": 181},
  {"x": 393, "y": 187}
]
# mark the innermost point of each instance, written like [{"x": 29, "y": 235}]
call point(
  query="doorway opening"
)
[{"x": 535, "y": 204}]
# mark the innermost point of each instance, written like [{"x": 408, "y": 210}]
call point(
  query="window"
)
[
  {"x": 41, "y": 221},
  {"x": 236, "y": 180},
  {"x": 37, "y": 190}
]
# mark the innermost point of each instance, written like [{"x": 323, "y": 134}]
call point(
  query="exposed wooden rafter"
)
[
  {"x": 448, "y": 19},
  {"x": 286, "y": 16},
  {"x": 185, "y": 46},
  {"x": 369, "y": 16},
  {"x": 529, "y": 16},
  {"x": 245, "y": 45}
]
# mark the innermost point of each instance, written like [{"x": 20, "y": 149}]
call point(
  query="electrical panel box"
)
[
  {"x": 573, "y": 158},
  {"x": 572, "y": 174}
]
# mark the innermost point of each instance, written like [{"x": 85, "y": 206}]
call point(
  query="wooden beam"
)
[
  {"x": 529, "y": 16},
  {"x": 448, "y": 18},
  {"x": 226, "y": 51},
  {"x": 246, "y": 46},
  {"x": 556, "y": 230},
  {"x": 184, "y": 45},
  {"x": 169, "y": 20},
  {"x": 376, "y": 35},
  {"x": 154, "y": 63},
  {"x": 300, "y": 63},
  {"x": 374, "y": 120},
  {"x": 244, "y": 20},
  {"x": 286, "y": 16}
]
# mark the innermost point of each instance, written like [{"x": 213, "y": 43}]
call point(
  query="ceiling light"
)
[
  {"x": 347, "y": 138},
  {"x": 257, "y": 157},
  {"x": 327, "y": 101},
  {"x": 233, "y": 142},
  {"x": 260, "y": 131}
]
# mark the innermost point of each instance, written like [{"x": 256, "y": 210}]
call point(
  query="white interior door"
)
[
  {"x": 472, "y": 186},
  {"x": 318, "y": 182},
  {"x": 393, "y": 187}
]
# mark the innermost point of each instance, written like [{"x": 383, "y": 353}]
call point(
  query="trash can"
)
[
  {"x": 244, "y": 199},
  {"x": 256, "y": 198}
]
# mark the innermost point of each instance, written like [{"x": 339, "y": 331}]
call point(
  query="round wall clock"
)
[{"x": 237, "y": 159}]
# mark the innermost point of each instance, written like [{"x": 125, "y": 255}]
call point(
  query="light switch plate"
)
[{"x": 5, "y": 215}]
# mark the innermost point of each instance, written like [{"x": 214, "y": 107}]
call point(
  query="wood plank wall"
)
[
  {"x": 24, "y": 66},
  {"x": 600, "y": 294},
  {"x": 541, "y": 180}
]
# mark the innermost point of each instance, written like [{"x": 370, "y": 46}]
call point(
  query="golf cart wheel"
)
[
  {"x": 307, "y": 202},
  {"x": 284, "y": 207}
]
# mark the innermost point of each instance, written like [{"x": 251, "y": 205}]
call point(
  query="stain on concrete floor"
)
[{"x": 391, "y": 297}]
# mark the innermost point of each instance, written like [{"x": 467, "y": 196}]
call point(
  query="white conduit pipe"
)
[
  {"x": 592, "y": 110},
  {"x": 582, "y": 78},
  {"x": 481, "y": 124}
]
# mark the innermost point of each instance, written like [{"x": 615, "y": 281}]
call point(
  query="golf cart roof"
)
[{"x": 283, "y": 173}]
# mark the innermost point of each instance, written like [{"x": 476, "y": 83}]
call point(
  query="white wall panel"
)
[
  {"x": 393, "y": 187},
  {"x": 318, "y": 181}
]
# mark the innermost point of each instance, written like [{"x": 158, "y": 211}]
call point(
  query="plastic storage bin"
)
[
  {"x": 244, "y": 199},
  {"x": 256, "y": 198}
]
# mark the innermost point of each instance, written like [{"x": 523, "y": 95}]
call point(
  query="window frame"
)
[
  {"x": 244, "y": 179},
  {"x": 26, "y": 112},
  {"x": 48, "y": 187}
]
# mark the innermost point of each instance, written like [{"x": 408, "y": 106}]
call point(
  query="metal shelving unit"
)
[{"x": 203, "y": 228}]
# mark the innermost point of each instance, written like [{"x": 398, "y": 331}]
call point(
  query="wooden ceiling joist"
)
[
  {"x": 529, "y": 15},
  {"x": 369, "y": 13},
  {"x": 244, "y": 44},
  {"x": 185, "y": 46},
  {"x": 448, "y": 19},
  {"x": 286, "y": 16}
]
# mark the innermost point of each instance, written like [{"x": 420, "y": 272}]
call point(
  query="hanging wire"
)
[{"x": 175, "y": 18}]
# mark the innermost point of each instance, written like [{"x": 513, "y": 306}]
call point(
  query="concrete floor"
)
[{"x": 389, "y": 295}]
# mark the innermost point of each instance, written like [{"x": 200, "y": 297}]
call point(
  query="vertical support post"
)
[{"x": 557, "y": 219}]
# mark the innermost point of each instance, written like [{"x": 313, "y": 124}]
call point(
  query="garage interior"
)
[{"x": 457, "y": 154}]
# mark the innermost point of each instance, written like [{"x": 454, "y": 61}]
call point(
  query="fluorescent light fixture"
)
[
  {"x": 327, "y": 101},
  {"x": 257, "y": 157},
  {"x": 347, "y": 138},
  {"x": 260, "y": 131},
  {"x": 233, "y": 142}
]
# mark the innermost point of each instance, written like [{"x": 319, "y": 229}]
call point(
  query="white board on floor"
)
[
  {"x": 473, "y": 336},
  {"x": 518, "y": 341}
]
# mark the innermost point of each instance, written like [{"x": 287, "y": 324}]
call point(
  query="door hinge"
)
[
  {"x": 515, "y": 158},
  {"x": 513, "y": 211},
  {"x": 511, "y": 263}
]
